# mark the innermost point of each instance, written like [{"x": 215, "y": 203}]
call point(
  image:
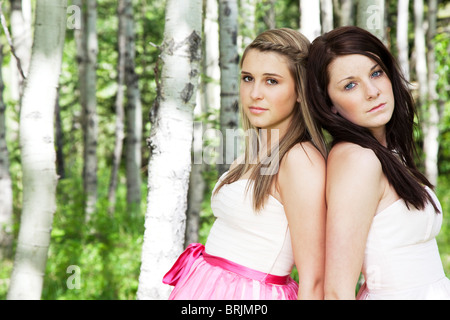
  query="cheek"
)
[{"x": 345, "y": 108}]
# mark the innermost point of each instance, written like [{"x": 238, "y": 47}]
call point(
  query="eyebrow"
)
[
  {"x": 352, "y": 77},
  {"x": 267, "y": 74}
]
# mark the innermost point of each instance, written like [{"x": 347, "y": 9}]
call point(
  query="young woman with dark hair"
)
[{"x": 382, "y": 216}]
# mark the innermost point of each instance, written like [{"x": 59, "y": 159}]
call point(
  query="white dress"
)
[
  {"x": 259, "y": 241},
  {"x": 402, "y": 258},
  {"x": 247, "y": 256}
]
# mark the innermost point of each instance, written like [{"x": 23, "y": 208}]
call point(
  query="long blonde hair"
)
[{"x": 295, "y": 47}]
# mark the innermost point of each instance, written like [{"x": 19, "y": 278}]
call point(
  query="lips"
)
[
  {"x": 378, "y": 107},
  {"x": 257, "y": 110}
]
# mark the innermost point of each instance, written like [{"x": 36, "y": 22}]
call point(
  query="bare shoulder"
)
[
  {"x": 353, "y": 156},
  {"x": 303, "y": 155},
  {"x": 303, "y": 162},
  {"x": 350, "y": 165}
]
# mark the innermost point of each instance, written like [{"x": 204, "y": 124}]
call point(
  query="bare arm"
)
[
  {"x": 301, "y": 183},
  {"x": 354, "y": 189}
]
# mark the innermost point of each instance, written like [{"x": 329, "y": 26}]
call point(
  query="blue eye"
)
[
  {"x": 350, "y": 86},
  {"x": 377, "y": 74}
]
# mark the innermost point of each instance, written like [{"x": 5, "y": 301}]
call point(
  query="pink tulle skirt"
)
[{"x": 199, "y": 276}]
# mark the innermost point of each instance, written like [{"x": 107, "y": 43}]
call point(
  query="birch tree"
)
[
  {"x": 38, "y": 153},
  {"x": 326, "y": 10},
  {"x": 170, "y": 146},
  {"x": 209, "y": 100},
  {"x": 89, "y": 101},
  {"x": 344, "y": 10},
  {"x": 247, "y": 12},
  {"x": 22, "y": 40},
  {"x": 430, "y": 125},
  {"x": 6, "y": 195},
  {"x": 119, "y": 102},
  {"x": 370, "y": 16},
  {"x": 402, "y": 36},
  {"x": 269, "y": 13},
  {"x": 133, "y": 115},
  {"x": 229, "y": 79},
  {"x": 310, "y": 18}
]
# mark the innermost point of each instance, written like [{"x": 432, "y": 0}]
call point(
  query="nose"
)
[
  {"x": 372, "y": 91},
  {"x": 255, "y": 92}
]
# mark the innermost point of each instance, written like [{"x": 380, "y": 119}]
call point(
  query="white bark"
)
[
  {"x": 247, "y": 13},
  {"x": 22, "y": 40},
  {"x": 209, "y": 100},
  {"x": 134, "y": 117},
  {"x": 119, "y": 106},
  {"x": 402, "y": 36},
  {"x": 326, "y": 9},
  {"x": 170, "y": 143},
  {"x": 229, "y": 78},
  {"x": 310, "y": 19},
  {"x": 211, "y": 93},
  {"x": 269, "y": 14},
  {"x": 370, "y": 16},
  {"x": 90, "y": 110},
  {"x": 432, "y": 119},
  {"x": 38, "y": 153},
  {"x": 421, "y": 60},
  {"x": 344, "y": 11},
  {"x": 6, "y": 195}
]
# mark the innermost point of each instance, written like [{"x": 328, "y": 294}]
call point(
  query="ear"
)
[{"x": 334, "y": 110}]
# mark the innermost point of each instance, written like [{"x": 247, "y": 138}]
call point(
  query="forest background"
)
[{"x": 109, "y": 95}]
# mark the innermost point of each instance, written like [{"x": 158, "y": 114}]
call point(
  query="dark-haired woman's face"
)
[{"x": 361, "y": 92}]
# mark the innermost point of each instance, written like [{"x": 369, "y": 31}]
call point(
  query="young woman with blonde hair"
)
[{"x": 270, "y": 206}]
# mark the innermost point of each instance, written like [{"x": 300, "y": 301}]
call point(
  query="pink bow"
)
[{"x": 183, "y": 264}]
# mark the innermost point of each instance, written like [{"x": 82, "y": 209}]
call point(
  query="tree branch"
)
[{"x": 8, "y": 36}]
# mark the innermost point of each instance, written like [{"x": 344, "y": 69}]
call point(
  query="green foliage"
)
[
  {"x": 443, "y": 239},
  {"x": 106, "y": 250}
]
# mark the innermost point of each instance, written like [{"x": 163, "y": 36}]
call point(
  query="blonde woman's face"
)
[{"x": 267, "y": 90}]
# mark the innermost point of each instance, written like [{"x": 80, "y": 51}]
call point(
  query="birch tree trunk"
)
[
  {"x": 90, "y": 112},
  {"x": 421, "y": 60},
  {"x": 326, "y": 10},
  {"x": 170, "y": 143},
  {"x": 120, "y": 113},
  {"x": 6, "y": 194},
  {"x": 229, "y": 79},
  {"x": 269, "y": 14},
  {"x": 310, "y": 18},
  {"x": 344, "y": 12},
  {"x": 247, "y": 13},
  {"x": 22, "y": 40},
  {"x": 431, "y": 118},
  {"x": 38, "y": 153},
  {"x": 370, "y": 16},
  {"x": 134, "y": 116},
  {"x": 402, "y": 36},
  {"x": 209, "y": 100}
]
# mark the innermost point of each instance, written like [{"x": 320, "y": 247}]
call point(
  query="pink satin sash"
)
[{"x": 183, "y": 264}]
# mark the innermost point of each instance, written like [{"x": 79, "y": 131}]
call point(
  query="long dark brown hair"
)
[
  {"x": 294, "y": 47},
  {"x": 397, "y": 159}
]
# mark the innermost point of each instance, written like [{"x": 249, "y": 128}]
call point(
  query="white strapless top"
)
[
  {"x": 256, "y": 240},
  {"x": 402, "y": 258}
]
